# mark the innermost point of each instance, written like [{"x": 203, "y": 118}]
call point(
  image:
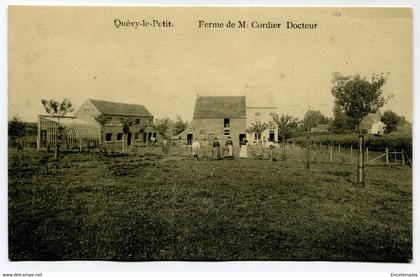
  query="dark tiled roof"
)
[
  {"x": 215, "y": 107},
  {"x": 113, "y": 108}
]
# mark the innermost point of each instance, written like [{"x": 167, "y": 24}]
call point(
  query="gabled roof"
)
[
  {"x": 217, "y": 107},
  {"x": 113, "y": 108}
]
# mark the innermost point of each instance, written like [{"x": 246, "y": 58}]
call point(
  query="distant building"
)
[
  {"x": 82, "y": 130},
  {"x": 372, "y": 124},
  {"x": 321, "y": 128},
  {"x": 224, "y": 116}
]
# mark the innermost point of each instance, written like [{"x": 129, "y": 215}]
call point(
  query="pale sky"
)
[{"x": 76, "y": 52}]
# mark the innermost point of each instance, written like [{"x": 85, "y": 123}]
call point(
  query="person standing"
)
[
  {"x": 243, "y": 151},
  {"x": 195, "y": 148},
  {"x": 216, "y": 150},
  {"x": 270, "y": 146},
  {"x": 229, "y": 148}
]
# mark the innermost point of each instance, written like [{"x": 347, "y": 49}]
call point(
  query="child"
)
[{"x": 195, "y": 148}]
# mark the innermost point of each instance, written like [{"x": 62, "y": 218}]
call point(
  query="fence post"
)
[
  {"x": 339, "y": 149},
  {"x": 402, "y": 157},
  {"x": 351, "y": 152},
  {"x": 293, "y": 149},
  {"x": 331, "y": 154},
  {"x": 367, "y": 154},
  {"x": 308, "y": 143},
  {"x": 395, "y": 156},
  {"x": 361, "y": 162},
  {"x": 386, "y": 156}
]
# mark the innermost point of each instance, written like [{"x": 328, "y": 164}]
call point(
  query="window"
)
[
  {"x": 227, "y": 132},
  {"x": 226, "y": 123},
  {"x": 272, "y": 114},
  {"x": 137, "y": 121},
  {"x": 137, "y": 136},
  {"x": 108, "y": 137},
  {"x": 202, "y": 132},
  {"x": 257, "y": 114},
  {"x": 119, "y": 136},
  {"x": 257, "y": 136},
  {"x": 43, "y": 135}
]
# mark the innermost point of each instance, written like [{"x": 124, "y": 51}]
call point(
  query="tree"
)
[
  {"x": 162, "y": 126},
  {"x": 102, "y": 120},
  {"x": 179, "y": 126},
  {"x": 257, "y": 128},
  {"x": 285, "y": 124},
  {"x": 358, "y": 97},
  {"x": 390, "y": 119},
  {"x": 59, "y": 110},
  {"x": 127, "y": 122},
  {"x": 341, "y": 122},
  {"x": 16, "y": 130},
  {"x": 312, "y": 119}
]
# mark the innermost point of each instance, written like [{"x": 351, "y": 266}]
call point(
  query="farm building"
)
[
  {"x": 372, "y": 124},
  {"x": 224, "y": 116},
  {"x": 83, "y": 130}
]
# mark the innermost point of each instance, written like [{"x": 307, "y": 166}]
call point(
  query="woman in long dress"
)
[
  {"x": 229, "y": 148},
  {"x": 195, "y": 148},
  {"x": 216, "y": 154},
  {"x": 243, "y": 151}
]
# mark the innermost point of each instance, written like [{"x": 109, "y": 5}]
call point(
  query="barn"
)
[{"x": 229, "y": 116}]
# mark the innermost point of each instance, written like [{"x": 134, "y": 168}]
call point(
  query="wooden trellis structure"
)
[{"x": 77, "y": 133}]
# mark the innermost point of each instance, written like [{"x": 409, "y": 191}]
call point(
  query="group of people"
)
[{"x": 228, "y": 148}]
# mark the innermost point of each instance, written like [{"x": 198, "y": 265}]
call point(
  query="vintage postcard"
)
[{"x": 210, "y": 134}]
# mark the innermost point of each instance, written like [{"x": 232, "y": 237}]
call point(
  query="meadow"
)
[{"x": 148, "y": 206}]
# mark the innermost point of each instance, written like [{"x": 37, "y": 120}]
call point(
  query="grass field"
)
[{"x": 148, "y": 207}]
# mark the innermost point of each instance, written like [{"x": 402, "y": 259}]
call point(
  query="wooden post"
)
[
  {"x": 402, "y": 157},
  {"x": 307, "y": 152},
  {"x": 395, "y": 156},
  {"x": 80, "y": 145},
  {"x": 339, "y": 149},
  {"x": 331, "y": 153},
  {"x": 361, "y": 162},
  {"x": 386, "y": 156},
  {"x": 38, "y": 139},
  {"x": 351, "y": 152},
  {"x": 367, "y": 154},
  {"x": 293, "y": 149}
]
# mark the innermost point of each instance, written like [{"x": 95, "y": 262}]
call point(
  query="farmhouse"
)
[
  {"x": 372, "y": 124},
  {"x": 83, "y": 130},
  {"x": 229, "y": 116}
]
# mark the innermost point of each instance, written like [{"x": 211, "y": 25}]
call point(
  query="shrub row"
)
[{"x": 376, "y": 143}]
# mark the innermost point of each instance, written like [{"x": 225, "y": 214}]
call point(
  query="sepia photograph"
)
[{"x": 210, "y": 134}]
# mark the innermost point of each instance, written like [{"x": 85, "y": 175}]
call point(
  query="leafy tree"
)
[
  {"x": 257, "y": 128},
  {"x": 127, "y": 122},
  {"x": 179, "y": 126},
  {"x": 313, "y": 118},
  {"x": 102, "y": 120},
  {"x": 59, "y": 110},
  {"x": 16, "y": 130},
  {"x": 390, "y": 119},
  {"x": 162, "y": 126},
  {"x": 341, "y": 121},
  {"x": 357, "y": 96},
  {"x": 285, "y": 124}
]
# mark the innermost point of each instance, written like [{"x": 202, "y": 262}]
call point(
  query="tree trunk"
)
[
  {"x": 361, "y": 162},
  {"x": 307, "y": 152}
]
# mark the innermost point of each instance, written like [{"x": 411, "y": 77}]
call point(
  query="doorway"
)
[
  {"x": 189, "y": 139},
  {"x": 271, "y": 136},
  {"x": 241, "y": 137},
  {"x": 129, "y": 139}
]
